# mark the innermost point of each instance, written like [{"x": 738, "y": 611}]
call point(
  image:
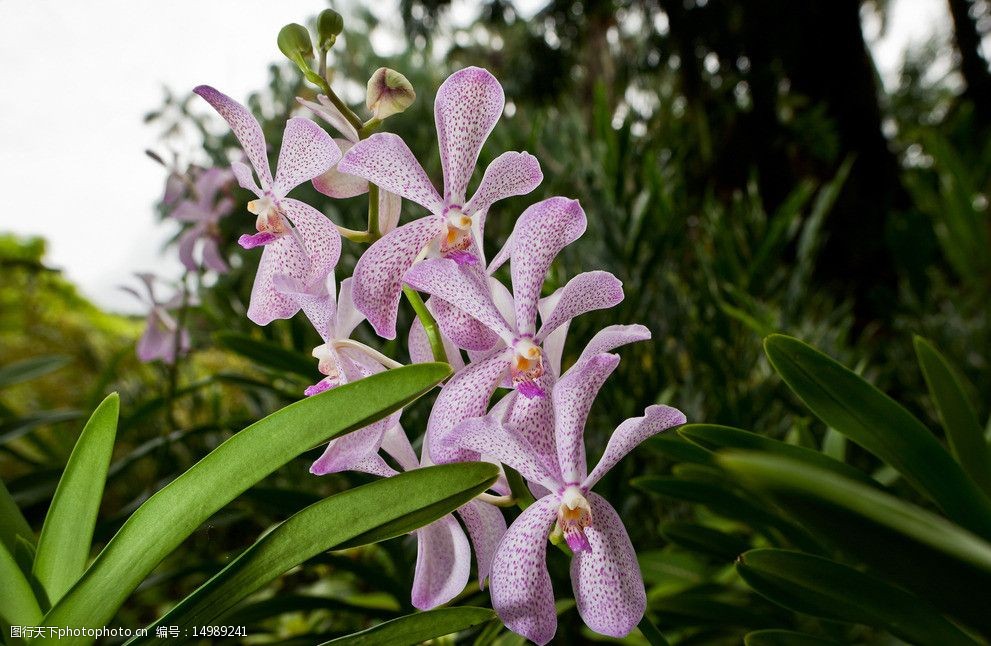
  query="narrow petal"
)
[
  {"x": 246, "y": 129},
  {"x": 609, "y": 338},
  {"x": 343, "y": 453},
  {"x": 509, "y": 174},
  {"x": 347, "y": 316},
  {"x": 211, "y": 256},
  {"x": 463, "y": 330},
  {"x": 187, "y": 242},
  {"x": 339, "y": 185},
  {"x": 533, "y": 419},
  {"x": 465, "y": 396},
  {"x": 244, "y": 177},
  {"x": 573, "y": 397},
  {"x": 189, "y": 211},
  {"x": 553, "y": 343},
  {"x": 390, "y": 206},
  {"x": 466, "y": 109},
  {"x": 443, "y": 563},
  {"x": 280, "y": 257},
  {"x": 445, "y": 279},
  {"x": 421, "y": 352},
  {"x": 592, "y": 290},
  {"x": 631, "y": 433},
  {"x": 378, "y": 275},
  {"x": 329, "y": 112},
  {"x": 307, "y": 151},
  {"x": 156, "y": 342},
  {"x": 385, "y": 160},
  {"x": 606, "y": 579},
  {"x": 541, "y": 233},
  {"x": 375, "y": 466},
  {"x": 490, "y": 436},
  {"x": 318, "y": 305},
  {"x": 486, "y": 526},
  {"x": 520, "y": 584},
  {"x": 396, "y": 444}
]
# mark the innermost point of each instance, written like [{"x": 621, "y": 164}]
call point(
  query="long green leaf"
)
[
  {"x": 915, "y": 548},
  {"x": 12, "y": 521},
  {"x": 778, "y": 637},
  {"x": 66, "y": 537},
  {"x": 823, "y": 588},
  {"x": 18, "y": 605},
  {"x": 963, "y": 431},
  {"x": 268, "y": 354},
  {"x": 705, "y": 540},
  {"x": 416, "y": 628},
  {"x": 14, "y": 373},
  {"x": 167, "y": 518},
  {"x": 377, "y": 511},
  {"x": 870, "y": 418}
]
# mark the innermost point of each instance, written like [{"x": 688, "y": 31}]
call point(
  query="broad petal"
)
[
  {"x": 385, "y": 160},
  {"x": 445, "y": 279},
  {"x": 378, "y": 275},
  {"x": 340, "y": 185},
  {"x": 606, "y": 579},
  {"x": 244, "y": 177},
  {"x": 465, "y": 396},
  {"x": 421, "y": 352},
  {"x": 520, "y": 584},
  {"x": 345, "y": 452},
  {"x": 609, "y": 338},
  {"x": 209, "y": 183},
  {"x": 466, "y": 109},
  {"x": 347, "y": 316},
  {"x": 490, "y": 436},
  {"x": 318, "y": 306},
  {"x": 541, "y": 233},
  {"x": 486, "y": 526},
  {"x": 329, "y": 112},
  {"x": 509, "y": 174},
  {"x": 281, "y": 257},
  {"x": 631, "y": 433},
  {"x": 189, "y": 211},
  {"x": 322, "y": 240},
  {"x": 592, "y": 290},
  {"x": 156, "y": 342},
  {"x": 463, "y": 330},
  {"x": 443, "y": 563},
  {"x": 307, "y": 151},
  {"x": 533, "y": 419},
  {"x": 246, "y": 129},
  {"x": 573, "y": 397},
  {"x": 390, "y": 206}
]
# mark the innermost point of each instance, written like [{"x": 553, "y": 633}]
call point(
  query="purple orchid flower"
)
[
  {"x": 466, "y": 109},
  {"x": 158, "y": 343},
  {"x": 297, "y": 237},
  {"x": 204, "y": 211},
  {"x": 604, "y": 574},
  {"x": 443, "y": 556},
  {"x": 336, "y": 184}
]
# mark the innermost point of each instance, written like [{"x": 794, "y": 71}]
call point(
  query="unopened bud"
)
[
  {"x": 329, "y": 26},
  {"x": 294, "y": 42},
  {"x": 389, "y": 93}
]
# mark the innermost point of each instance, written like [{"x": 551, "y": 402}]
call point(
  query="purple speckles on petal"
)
[
  {"x": 577, "y": 541},
  {"x": 530, "y": 390},
  {"x": 463, "y": 258},
  {"x": 319, "y": 387},
  {"x": 257, "y": 239}
]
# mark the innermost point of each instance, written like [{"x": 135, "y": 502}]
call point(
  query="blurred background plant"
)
[{"x": 745, "y": 172}]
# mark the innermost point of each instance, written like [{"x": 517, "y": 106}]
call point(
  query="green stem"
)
[
  {"x": 518, "y": 488},
  {"x": 373, "y": 212},
  {"x": 651, "y": 633},
  {"x": 429, "y": 324},
  {"x": 348, "y": 113}
]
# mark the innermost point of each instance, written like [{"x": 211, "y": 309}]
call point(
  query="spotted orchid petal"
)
[
  {"x": 329, "y": 112},
  {"x": 542, "y": 231},
  {"x": 245, "y": 127},
  {"x": 609, "y": 338},
  {"x": 519, "y": 583},
  {"x": 509, "y": 174},
  {"x": 533, "y": 419},
  {"x": 486, "y": 526},
  {"x": 631, "y": 433},
  {"x": 307, "y": 151},
  {"x": 553, "y": 342},
  {"x": 490, "y": 436},
  {"x": 379, "y": 272},
  {"x": 397, "y": 445},
  {"x": 336, "y": 184},
  {"x": 467, "y": 107},
  {"x": 385, "y": 160},
  {"x": 445, "y": 279},
  {"x": 465, "y": 396},
  {"x": 592, "y": 290},
  {"x": 573, "y": 396},
  {"x": 421, "y": 352},
  {"x": 606, "y": 578},
  {"x": 390, "y": 206},
  {"x": 242, "y": 172},
  {"x": 443, "y": 563},
  {"x": 464, "y": 331}
]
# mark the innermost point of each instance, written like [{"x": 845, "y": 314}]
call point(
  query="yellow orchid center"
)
[
  {"x": 270, "y": 219},
  {"x": 573, "y": 516},
  {"x": 326, "y": 363},
  {"x": 458, "y": 234}
]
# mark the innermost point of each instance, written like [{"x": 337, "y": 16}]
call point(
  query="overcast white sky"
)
[{"x": 76, "y": 79}]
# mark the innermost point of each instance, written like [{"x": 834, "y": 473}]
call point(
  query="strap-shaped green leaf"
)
[
  {"x": 778, "y": 637},
  {"x": 705, "y": 540},
  {"x": 15, "y": 373},
  {"x": 377, "y": 511},
  {"x": 159, "y": 525},
  {"x": 878, "y": 423},
  {"x": 268, "y": 354},
  {"x": 66, "y": 537},
  {"x": 964, "y": 432},
  {"x": 418, "y": 627},
  {"x": 18, "y": 605},
  {"x": 823, "y": 588},
  {"x": 12, "y": 521},
  {"x": 924, "y": 553}
]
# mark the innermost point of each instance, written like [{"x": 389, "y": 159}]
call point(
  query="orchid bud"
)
[
  {"x": 389, "y": 93},
  {"x": 294, "y": 42},
  {"x": 329, "y": 26}
]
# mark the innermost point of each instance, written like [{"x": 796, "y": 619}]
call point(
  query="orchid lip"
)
[{"x": 573, "y": 516}]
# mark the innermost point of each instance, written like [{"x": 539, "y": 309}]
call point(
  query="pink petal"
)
[
  {"x": 606, "y": 579},
  {"x": 315, "y": 301},
  {"x": 343, "y": 453},
  {"x": 189, "y": 211},
  {"x": 553, "y": 343},
  {"x": 445, "y": 279},
  {"x": 520, "y": 584},
  {"x": 319, "y": 235},
  {"x": 467, "y": 106},
  {"x": 443, "y": 563},
  {"x": 386, "y": 161},
  {"x": 509, "y": 174},
  {"x": 244, "y": 177},
  {"x": 421, "y": 352},
  {"x": 541, "y": 233},
  {"x": 246, "y": 129},
  {"x": 390, "y": 206},
  {"x": 329, "y": 112},
  {"x": 592, "y": 290},
  {"x": 187, "y": 242},
  {"x": 157, "y": 342},
  {"x": 609, "y": 338},
  {"x": 486, "y": 526},
  {"x": 336, "y": 184},
  {"x": 630, "y": 434},
  {"x": 573, "y": 397},
  {"x": 257, "y": 239},
  {"x": 375, "y": 466},
  {"x": 211, "y": 256},
  {"x": 307, "y": 151},
  {"x": 490, "y": 436},
  {"x": 533, "y": 419},
  {"x": 463, "y": 330},
  {"x": 379, "y": 272},
  {"x": 465, "y": 396},
  {"x": 397, "y": 445}
]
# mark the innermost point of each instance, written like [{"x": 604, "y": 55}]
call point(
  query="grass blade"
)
[{"x": 418, "y": 627}]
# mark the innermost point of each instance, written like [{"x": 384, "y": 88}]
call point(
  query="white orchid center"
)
[
  {"x": 458, "y": 236},
  {"x": 527, "y": 366},
  {"x": 270, "y": 219},
  {"x": 573, "y": 516},
  {"x": 326, "y": 361}
]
